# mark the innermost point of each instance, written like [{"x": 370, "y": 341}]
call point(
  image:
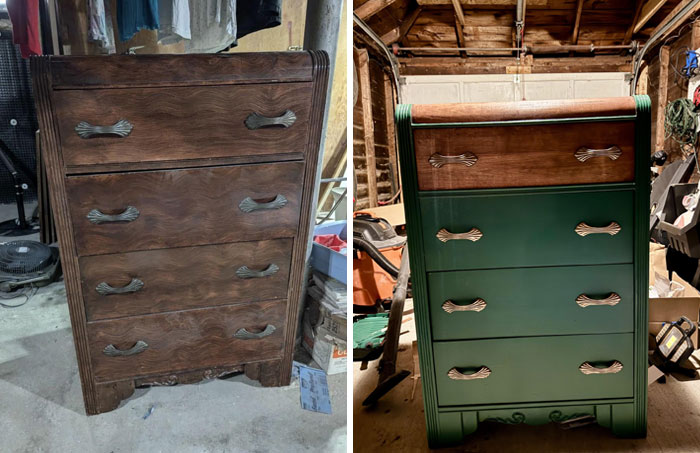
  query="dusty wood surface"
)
[
  {"x": 662, "y": 98},
  {"x": 368, "y": 124}
]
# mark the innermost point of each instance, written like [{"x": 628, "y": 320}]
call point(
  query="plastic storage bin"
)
[
  {"x": 686, "y": 239},
  {"x": 325, "y": 260}
]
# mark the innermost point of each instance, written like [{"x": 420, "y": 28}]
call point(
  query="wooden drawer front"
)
[
  {"x": 523, "y": 156},
  {"x": 181, "y": 122},
  {"x": 531, "y": 301},
  {"x": 533, "y": 369},
  {"x": 154, "y": 281},
  {"x": 185, "y": 340},
  {"x": 526, "y": 229},
  {"x": 178, "y": 208}
]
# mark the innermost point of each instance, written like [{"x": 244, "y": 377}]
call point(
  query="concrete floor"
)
[
  {"x": 41, "y": 404},
  {"x": 397, "y": 421}
]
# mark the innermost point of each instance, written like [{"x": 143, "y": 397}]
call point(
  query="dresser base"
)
[
  {"x": 108, "y": 396},
  {"x": 453, "y": 427}
]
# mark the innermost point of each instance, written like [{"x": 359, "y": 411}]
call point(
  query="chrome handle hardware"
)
[
  {"x": 451, "y": 307},
  {"x": 105, "y": 289},
  {"x": 128, "y": 215},
  {"x": 258, "y": 121},
  {"x": 121, "y": 128},
  {"x": 244, "y": 334},
  {"x": 438, "y": 160},
  {"x": 246, "y": 272},
  {"x": 250, "y": 205},
  {"x": 583, "y": 153},
  {"x": 457, "y": 375},
  {"x": 472, "y": 235},
  {"x": 585, "y": 301},
  {"x": 112, "y": 350},
  {"x": 584, "y": 229},
  {"x": 589, "y": 368}
]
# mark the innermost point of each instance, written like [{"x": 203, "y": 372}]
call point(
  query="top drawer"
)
[
  {"x": 524, "y": 156},
  {"x": 107, "y": 126}
]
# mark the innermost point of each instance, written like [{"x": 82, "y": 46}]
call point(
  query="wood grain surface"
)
[
  {"x": 182, "y": 122},
  {"x": 184, "y": 207},
  {"x": 523, "y": 156},
  {"x": 188, "y": 339},
  {"x": 157, "y": 70},
  {"x": 183, "y": 278},
  {"x": 526, "y": 110}
]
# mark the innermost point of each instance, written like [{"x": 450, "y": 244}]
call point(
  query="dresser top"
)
[{"x": 522, "y": 110}]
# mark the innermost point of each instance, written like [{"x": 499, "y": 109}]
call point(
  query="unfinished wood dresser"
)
[
  {"x": 182, "y": 189},
  {"x": 528, "y": 231}
]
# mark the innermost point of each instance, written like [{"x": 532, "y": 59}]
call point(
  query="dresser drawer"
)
[
  {"x": 165, "y": 343},
  {"x": 526, "y": 229},
  {"x": 153, "y": 281},
  {"x": 178, "y": 208},
  {"x": 523, "y": 156},
  {"x": 520, "y": 370},
  {"x": 531, "y": 301},
  {"x": 165, "y": 124}
]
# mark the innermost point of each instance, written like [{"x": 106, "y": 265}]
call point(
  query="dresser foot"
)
[
  {"x": 451, "y": 428},
  {"x": 624, "y": 423},
  {"x": 267, "y": 373},
  {"x": 109, "y": 396}
]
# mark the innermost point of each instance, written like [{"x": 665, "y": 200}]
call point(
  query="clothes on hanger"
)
[
  {"x": 24, "y": 15},
  {"x": 174, "y": 18},
  {"x": 255, "y": 15},
  {"x": 213, "y": 25},
  {"x": 135, "y": 15},
  {"x": 100, "y": 28}
]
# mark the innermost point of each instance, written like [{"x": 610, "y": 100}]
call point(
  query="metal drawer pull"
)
[
  {"x": 585, "y": 301},
  {"x": 246, "y": 272},
  {"x": 250, "y": 205},
  {"x": 258, "y": 121},
  {"x": 455, "y": 374},
  {"x": 128, "y": 215},
  {"x": 588, "y": 368},
  {"x": 138, "y": 348},
  {"x": 105, "y": 289},
  {"x": 472, "y": 235},
  {"x": 243, "y": 334},
  {"x": 121, "y": 128},
  {"x": 583, "y": 153},
  {"x": 478, "y": 305},
  {"x": 584, "y": 229},
  {"x": 438, "y": 160}
]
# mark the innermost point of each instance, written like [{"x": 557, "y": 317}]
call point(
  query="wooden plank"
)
[
  {"x": 368, "y": 123},
  {"x": 459, "y": 31},
  {"x": 661, "y": 100},
  {"x": 458, "y": 11},
  {"x": 371, "y": 7},
  {"x": 389, "y": 109},
  {"x": 648, "y": 10},
  {"x": 630, "y": 30},
  {"x": 695, "y": 37},
  {"x": 400, "y": 32},
  {"x": 500, "y": 65},
  {"x": 494, "y": 3},
  {"x": 577, "y": 22}
]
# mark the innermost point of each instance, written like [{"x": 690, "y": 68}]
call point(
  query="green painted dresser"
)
[{"x": 528, "y": 230}]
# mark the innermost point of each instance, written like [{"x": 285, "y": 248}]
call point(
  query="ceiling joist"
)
[
  {"x": 648, "y": 10},
  {"x": 459, "y": 13},
  {"x": 372, "y": 7},
  {"x": 467, "y": 3},
  {"x": 630, "y": 30},
  {"x": 398, "y": 33},
  {"x": 577, "y": 22}
]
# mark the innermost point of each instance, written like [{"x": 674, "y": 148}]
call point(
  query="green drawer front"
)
[
  {"x": 533, "y": 369},
  {"x": 526, "y": 229},
  {"x": 530, "y": 301}
]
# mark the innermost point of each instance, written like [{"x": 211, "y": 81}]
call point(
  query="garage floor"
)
[
  {"x": 397, "y": 422},
  {"x": 41, "y": 404}
]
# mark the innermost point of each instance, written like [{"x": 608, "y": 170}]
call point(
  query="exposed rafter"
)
[
  {"x": 648, "y": 10},
  {"x": 398, "y": 33},
  {"x": 371, "y": 8},
  {"x": 494, "y": 3},
  {"x": 577, "y": 22},
  {"x": 458, "y": 11},
  {"x": 459, "y": 30},
  {"x": 637, "y": 13}
]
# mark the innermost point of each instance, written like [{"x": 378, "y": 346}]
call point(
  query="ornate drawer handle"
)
[
  {"x": 588, "y": 368},
  {"x": 457, "y": 375},
  {"x": 583, "y": 153},
  {"x": 472, "y": 235},
  {"x": 584, "y": 229},
  {"x": 121, "y": 128},
  {"x": 105, "y": 289},
  {"x": 138, "y": 348},
  {"x": 128, "y": 215},
  {"x": 585, "y": 301},
  {"x": 243, "y": 334},
  {"x": 478, "y": 305},
  {"x": 250, "y": 205},
  {"x": 438, "y": 160},
  {"x": 246, "y": 272},
  {"x": 258, "y": 121}
]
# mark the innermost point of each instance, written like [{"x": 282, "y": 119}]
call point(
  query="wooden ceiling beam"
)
[
  {"x": 467, "y": 3},
  {"x": 372, "y": 7},
  {"x": 675, "y": 11},
  {"x": 630, "y": 30},
  {"x": 451, "y": 65},
  {"x": 577, "y": 22},
  {"x": 648, "y": 10},
  {"x": 459, "y": 31},
  {"x": 458, "y": 11},
  {"x": 400, "y": 32}
]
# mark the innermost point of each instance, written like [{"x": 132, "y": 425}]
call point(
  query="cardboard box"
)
[{"x": 329, "y": 352}]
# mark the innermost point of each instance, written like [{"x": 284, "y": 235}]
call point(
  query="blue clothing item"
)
[{"x": 135, "y": 15}]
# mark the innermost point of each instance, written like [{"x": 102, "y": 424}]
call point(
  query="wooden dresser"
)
[
  {"x": 528, "y": 231},
  {"x": 182, "y": 189}
]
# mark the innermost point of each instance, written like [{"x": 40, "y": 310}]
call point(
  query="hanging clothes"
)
[
  {"x": 213, "y": 25},
  {"x": 135, "y": 15},
  {"x": 174, "y": 18},
  {"x": 24, "y": 15},
  {"x": 255, "y": 15},
  {"x": 100, "y": 28}
]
